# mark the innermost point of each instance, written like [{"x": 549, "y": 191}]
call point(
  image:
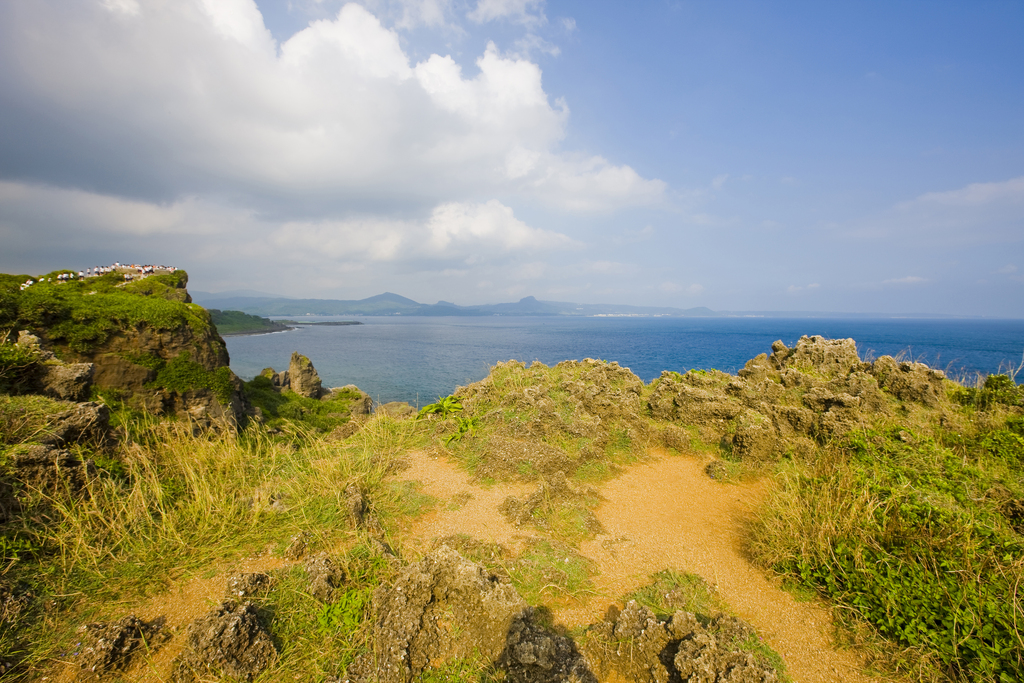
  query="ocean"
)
[{"x": 417, "y": 359}]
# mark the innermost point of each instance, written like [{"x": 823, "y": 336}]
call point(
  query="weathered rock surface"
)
[
  {"x": 324, "y": 577},
  {"x": 361, "y": 406},
  {"x": 302, "y": 377},
  {"x": 84, "y": 423},
  {"x": 816, "y": 390},
  {"x": 202, "y": 407},
  {"x": 587, "y": 399},
  {"x": 111, "y": 646},
  {"x": 637, "y": 646},
  {"x": 248, "y": 584},
  {"x": 228, "y": 641},
  {"x": 438, "y": 609},
  {"x": 534, "y": 654},
  {"x": 555, "y": 491},
  {"x": 64, "y": 381},
  {"x": 49, "y": 469}
]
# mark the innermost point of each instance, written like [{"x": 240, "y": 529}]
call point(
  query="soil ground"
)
[{"x": 662, "y": 514}]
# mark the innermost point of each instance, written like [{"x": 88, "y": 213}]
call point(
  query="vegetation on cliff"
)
[
  {"x": 893, "y": 492},
  {"x": 80, "y": 315}
]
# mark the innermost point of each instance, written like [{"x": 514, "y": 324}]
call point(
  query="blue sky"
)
[{"x": 859, "y": 157}]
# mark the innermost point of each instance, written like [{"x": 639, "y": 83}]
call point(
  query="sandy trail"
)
[
  {"x": 664, "y": 514},
  {"x": 464, "y": 507}
]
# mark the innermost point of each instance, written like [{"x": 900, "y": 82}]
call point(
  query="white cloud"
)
[
  {"x": 491, "y": 223},
  {"x": 519, "y": 11},
  {"x": 694, "y": 289},
  {"x": 1007, "y": 269},
  {"x": 432, "y": 13},
  {"x": 592, "y": 184},
  {"x": 239, "y": 245},
  {"x": 129, "y": 7},
  {"x": 239, "y": 20},
  {"x": 196, "y": 96},
  {"x": 975, "y": 194}
]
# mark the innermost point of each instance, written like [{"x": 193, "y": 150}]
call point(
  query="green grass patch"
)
[
  {"x": 182, "y": 504},
  {"x": 672, "y": 590},
  {"x": 285, "y": 407},
  {"x": 550, "y": 572},
  {"x": 83, "y": 314},
  {"x": 917, "y": 533},
  {"x": 317, "y": 640},
  {"x": 181, "y": 374},
  {"x": 19, "y": 366}
]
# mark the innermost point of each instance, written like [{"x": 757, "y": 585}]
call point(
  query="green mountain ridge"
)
[{"x": 390, "y": 303}]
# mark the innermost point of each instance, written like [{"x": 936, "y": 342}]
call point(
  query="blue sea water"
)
[{"x": 417, "y": 359}]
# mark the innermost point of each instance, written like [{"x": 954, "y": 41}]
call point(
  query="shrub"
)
[
  {"x": 18, "y": 366},
  {"x": 182, "y": 374}
]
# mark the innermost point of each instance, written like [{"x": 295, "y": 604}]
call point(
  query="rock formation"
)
[
  {"x": 228, "y": 641},
  {"x": 439, "y": 609}
]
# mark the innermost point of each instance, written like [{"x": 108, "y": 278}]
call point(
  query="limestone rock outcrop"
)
[
  {"x": 441, "y": 608},
  {"x": 303, "y": 378},
  {"x": 228, "y": 641},
  {"x": 816, "y": 390}
]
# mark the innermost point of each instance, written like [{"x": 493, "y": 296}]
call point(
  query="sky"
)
[{"x": 785, "y": 156}]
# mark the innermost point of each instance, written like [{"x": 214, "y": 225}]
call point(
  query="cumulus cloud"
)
[
  {"x": 197, "y": 96},
  {"x": 481, "y": 232}
]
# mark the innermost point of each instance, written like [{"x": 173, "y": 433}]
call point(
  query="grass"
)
[
  {"x": 283, "y": 408},
  {"x": 82, "y": 315},
  {"x": 551, "y": 573},
  {"x": 25, "y": 419},
  {"x": 237, "y": 322},
  {"x": 913, "y": 533},
  {"x": 910, "y": 524},
  {"x": 316, "y": 640},
  {"x": 186, "y": 503}
]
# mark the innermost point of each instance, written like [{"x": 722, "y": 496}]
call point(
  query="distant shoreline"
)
[
  {"x": 249, "y": 333},
  {"x": 332, "y": 323}
]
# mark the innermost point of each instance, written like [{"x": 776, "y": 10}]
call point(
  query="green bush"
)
[
  {"x": 996, "y": 389},
  {"x": 84, "y": 314},
  {"x": 919, "y": 550},
  {"x": 182, "y": 374},
  {"x": 18, "y": 366},
  {"x": 285, "y": 406}
]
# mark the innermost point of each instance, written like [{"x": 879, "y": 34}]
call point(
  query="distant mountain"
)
[{"x": 394, "y": 304}]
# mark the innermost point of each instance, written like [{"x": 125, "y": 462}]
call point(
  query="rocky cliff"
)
[{"x": 142, "y": 339}]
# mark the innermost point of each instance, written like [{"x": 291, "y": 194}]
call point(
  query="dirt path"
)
[
  {"x": 464, "y": 507},
  {"x": 666, "y": 514}
]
